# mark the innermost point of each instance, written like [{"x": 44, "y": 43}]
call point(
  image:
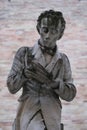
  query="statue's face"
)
[{"x": 49, "y": 32}]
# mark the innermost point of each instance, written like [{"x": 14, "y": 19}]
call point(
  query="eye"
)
[
  {"x": 45, "y": 30},
  {"x": 54, "y": 31}
]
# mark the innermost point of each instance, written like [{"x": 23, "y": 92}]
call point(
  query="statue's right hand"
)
[
  {"x": 28, "y": 73},
  {"x": 35, "y": 75}
]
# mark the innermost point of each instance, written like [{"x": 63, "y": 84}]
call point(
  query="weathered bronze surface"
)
[{"x": 45, "y": 75}]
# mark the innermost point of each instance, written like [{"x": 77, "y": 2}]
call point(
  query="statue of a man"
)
[{"x": 44, "y": 74}]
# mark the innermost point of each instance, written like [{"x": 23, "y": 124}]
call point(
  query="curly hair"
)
[{"x": 55, "y": 16}]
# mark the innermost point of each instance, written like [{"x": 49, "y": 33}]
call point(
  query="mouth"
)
[{"x": 46, "y": 40}]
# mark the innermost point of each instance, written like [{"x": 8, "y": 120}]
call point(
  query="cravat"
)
[{"x": 48, "y": 50}]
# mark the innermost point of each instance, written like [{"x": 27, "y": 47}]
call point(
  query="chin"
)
[{"x": 47, "y": 45}]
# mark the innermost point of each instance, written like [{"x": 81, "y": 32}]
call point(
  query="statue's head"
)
[{"x": 51, "y": 21}]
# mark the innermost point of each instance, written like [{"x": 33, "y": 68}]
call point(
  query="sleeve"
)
[
  {"x": 15, "y": 78},
  {"x": 66, "y": 89}
]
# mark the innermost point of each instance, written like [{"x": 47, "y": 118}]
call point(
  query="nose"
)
[{"x": 47, "y": 36}]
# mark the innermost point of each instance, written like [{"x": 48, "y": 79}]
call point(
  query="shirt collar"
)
[{"x": 36, "y": 48}]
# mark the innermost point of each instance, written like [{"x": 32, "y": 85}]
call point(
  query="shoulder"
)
[
  {"x": 63, "y": 55},
  {"x": 65, "y": 58},
  {"x": 22, "y": 50}
]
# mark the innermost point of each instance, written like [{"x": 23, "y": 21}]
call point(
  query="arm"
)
[
  {"x": 15, "y": 78},
  {"x": 65, "y": 88}
]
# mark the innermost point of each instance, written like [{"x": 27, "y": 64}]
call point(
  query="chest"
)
[
  {"x": 52, "y": 64},
  {"x": 48, "y": 58}
]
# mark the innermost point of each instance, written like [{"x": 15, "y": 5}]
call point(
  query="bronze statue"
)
[{"x": 45, "y": 76}]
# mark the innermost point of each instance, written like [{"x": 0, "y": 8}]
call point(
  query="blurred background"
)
[{"x": 18, "y": 20}]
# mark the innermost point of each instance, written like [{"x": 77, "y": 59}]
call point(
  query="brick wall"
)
[{"x": 18, "y": 28}]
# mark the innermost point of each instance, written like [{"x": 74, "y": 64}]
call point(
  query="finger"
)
[{"x": 30, "y": 84}]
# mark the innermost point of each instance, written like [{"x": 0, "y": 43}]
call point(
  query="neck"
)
[
  {"x": 49, "y": 50},
  {"x": 48, "y": 45}
]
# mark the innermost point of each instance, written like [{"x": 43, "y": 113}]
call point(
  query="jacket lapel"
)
[
  {"x": 41, "y": 59},
  {"x": 54, "y": 60},
  {"x": 39, "y": 55}
]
